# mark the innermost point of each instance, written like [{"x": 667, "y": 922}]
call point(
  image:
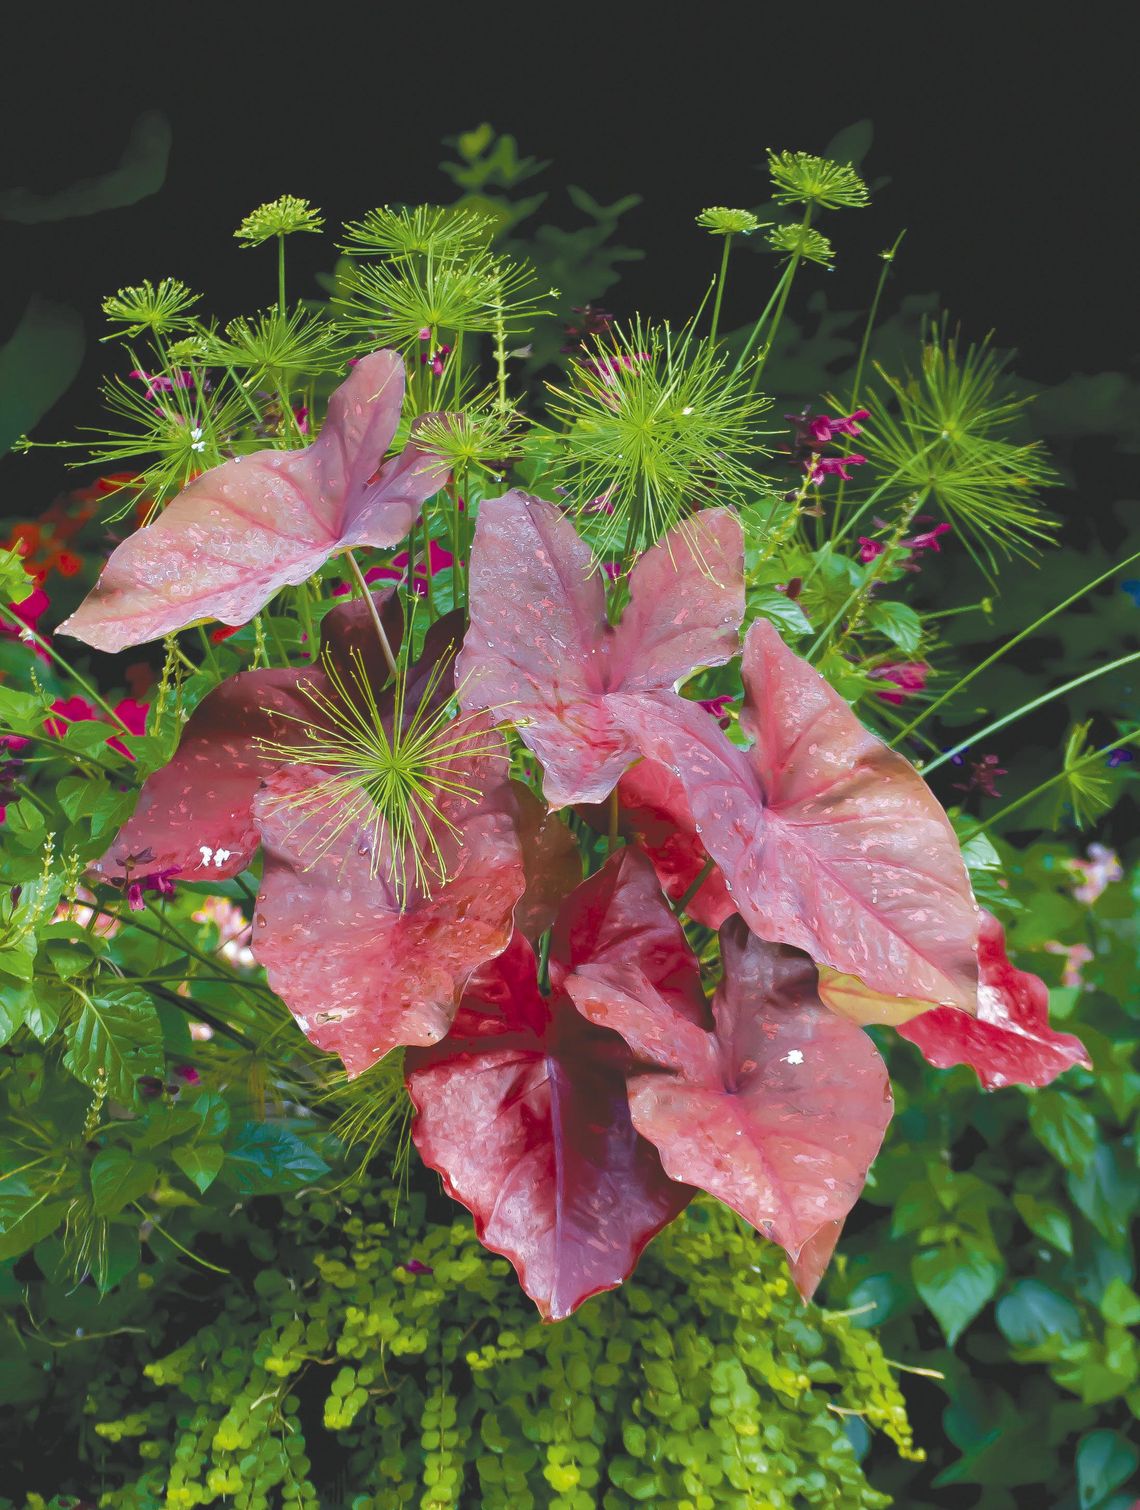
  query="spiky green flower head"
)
[
  {"x": 482, "y": 436},
  {"x": 440, "y": 232},
  {"x": 165, "y": 439},
  {"x": 390, "y": 772},
  {"x": 719, "y": 221},
  {"x": 280, "y": 217},
  {"x": 802, "y": 241},
  {"x": 947, "y": 441},
  {"x": 395, "y": 303},
  {"x": 273, "y": 343},
  {"x": 1086, "y": 785},
  {"x": 655, "y": 424},
  {"x": 154, "y": 307},
  {"x": 801, "y": 178}
]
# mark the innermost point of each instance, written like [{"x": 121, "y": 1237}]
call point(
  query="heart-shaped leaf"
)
[
  {"x": 523, "y": 1107},
  {"x": 777, "y": 1112},
  {"x": 194, "y": 814},
  {"x": 827, "y": 840},
  {"x": 364, "y": 964},
  {"x": 258, "y": 523},
  {"x": 541, "y": 651},
  {"x": 1010, "y": 1041}
]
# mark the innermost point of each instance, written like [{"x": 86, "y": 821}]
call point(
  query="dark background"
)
[{"x": 1009, "y": 151}]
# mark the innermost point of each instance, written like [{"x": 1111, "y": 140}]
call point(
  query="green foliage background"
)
[{"x": 208, "y": 1303}]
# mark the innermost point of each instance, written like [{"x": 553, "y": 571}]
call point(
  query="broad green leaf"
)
[
  {"x": 1046, "y": 1221},
  {"x": 1032, "y": 1314},
  {"x": 37, "y": 365},
  {"x": 898, "y": 622},
  {"x": 117, "y": 1255},
  {"x": 1065, "y": 1127},
  {"x": 779, "y": 609},
  {"x": 1107, "y": 1190},
  {"x": 15, "y": 999},
  {"x": 1105, "y": 1461},
  {"x": 955, "y": 1283},
  {"x": 119, "y": 1177},
  {"x": 1120, "y": 1304},
  {"x": 200, "y": 1163},
  {"x": 266, "y": 1160},
  {"x": 140, "y": 171},
  {"x": 27, "y": 1214},
  {"x": 115, "y": 1039}
]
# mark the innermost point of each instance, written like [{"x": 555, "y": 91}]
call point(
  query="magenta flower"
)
[
  {"x": 870, "y": 550},
  {"x": 718, "y": 707},
  {"x": 29, "y": 611},
  {"x": 157, "y": 382},
  {"x": 908, "y": 676},
  {"x": 927, "y": 540},
  {"x": 834, "y": 466},
  {"x": 982, "y": 775}
]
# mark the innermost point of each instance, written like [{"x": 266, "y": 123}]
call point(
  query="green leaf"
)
[
  {"x": 1032, "y": 1314},
  {"x": 1105, "y": 1461},
  {"x": 1107, "y": 1190},
  {"x": 1120, "y": 1304},
  {"x": 265, "y": 1160},
  {"x": 955, "y": 1283},
  {"x": 14, "y": 1002},
  {"x": 37, "y": 365},
  {"x": 115, "y": 1039},
  {"x": 199, "y": 1163},
  {"x": 116, "y": 1256},
  {"x": 1065, "y": 1127},
  {"x": 1046, "y": 1221},
  {"x": 140, "y": 171},
  {"x": 119, "y": 1177},
  {"x": 778, "y": 609},
  {"x": 898, "y": 622}
]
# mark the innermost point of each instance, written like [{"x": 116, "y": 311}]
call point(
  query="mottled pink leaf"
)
[
  {"x": 552, "y": 861},
  {"x": 522, "y": 1109},
  {"x": 257, "y": 523},
  {"x": 654, "y": 813},
  {"x": 778, "y": 1112},
  {"x": 540, "y": 649},
  {"x": 193, "y": 814},
  {"x": 617, "y": 927},
  {"x": 810, "y": 1265},
  {"x": 827, "y": 840},
  {"x": 1010, "y": 1041},
  {"x": 363, "y": 967}
]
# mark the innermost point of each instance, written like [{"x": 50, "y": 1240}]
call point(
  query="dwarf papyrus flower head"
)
[
  {"x": 801, "y": 178},
  {"x": 280, "y": 217},
  {"x": 156, "y": 307},
  {"x": 395, "y": 771}
]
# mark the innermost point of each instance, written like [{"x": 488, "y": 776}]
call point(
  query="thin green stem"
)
[
  {"x": 758, "y": 370},
  {"x": 614, "y": 824},
  {"x": 366, "y": 593},
  {"x": 281, "y": 275},
  {"x": 158, "y": 1227},
  {"x": 694, "y": 886},
  {"x": 872, "y": 314},
  {"x": 1043, "y": 786},
  {"x": 26, "y": 632},
  {"x": 759, "y": 325},
  {"x": 1037, "y": 702},
  {"x": 1016, "y": 640},
  {"x": 719, "y": 291},
  {"x": 857, "y": 598}
]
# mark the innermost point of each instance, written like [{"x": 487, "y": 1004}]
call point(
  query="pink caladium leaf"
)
[
  {"x": 654, "y": 814},
  {"x": 193, "y": 814},
  {"x": 827, "y": 840},
  {"x": 523, "y": 1110},
  {"x": 363, "y": 964},
  {"x": 552, "y": 861},
  {"x": 778, "y": 1112},
  {"x": 541, "y": 651},
  {"x": 810, "y": 1264},
  {"x": 1010, "y": 1041},
  {"x": 258, "y": 523}
]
